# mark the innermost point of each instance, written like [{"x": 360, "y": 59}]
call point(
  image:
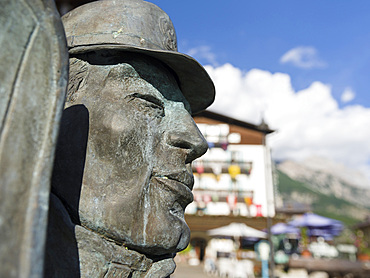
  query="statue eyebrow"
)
[{"x": 146, "y": 97}]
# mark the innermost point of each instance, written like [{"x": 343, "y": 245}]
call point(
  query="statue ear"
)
[
  {"x": 78, "y": 72},
  {"x": 70, "y": 154}
]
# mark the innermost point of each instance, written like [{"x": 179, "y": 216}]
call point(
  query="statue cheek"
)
[
  {"x": 118, "y": 124},
  {"x": 109, "y": 132}
]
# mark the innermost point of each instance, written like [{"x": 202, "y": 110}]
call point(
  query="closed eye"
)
[
  {"x": 149, "y": 98},
  {"x": 147, "y": 101}
]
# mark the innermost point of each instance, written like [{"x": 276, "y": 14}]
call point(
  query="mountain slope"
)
[
  {"x": 329, "y": 178},
  {"x": 293, "y": 192},
  {"x": 326, "y": 193}
]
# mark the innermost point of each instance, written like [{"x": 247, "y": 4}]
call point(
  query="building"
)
[{"x": 233, "y": 180}]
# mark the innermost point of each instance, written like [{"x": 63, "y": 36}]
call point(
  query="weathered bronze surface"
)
[
  {"x": 122, "y": 175},
  {"x": 33, "y": 80}
]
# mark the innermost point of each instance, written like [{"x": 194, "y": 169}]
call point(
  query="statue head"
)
[{"x": 127, "y": 135}]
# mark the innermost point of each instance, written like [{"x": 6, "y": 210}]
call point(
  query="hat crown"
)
[
  {"x": 134, "y": 23},
  {"x": 141, "y": 27}
]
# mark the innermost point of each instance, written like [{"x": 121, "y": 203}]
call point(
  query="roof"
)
[{"x": 263, "y": 127}]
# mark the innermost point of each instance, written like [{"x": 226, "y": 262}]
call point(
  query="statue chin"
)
[
  {"x": 176, "y": 241},
  {"x": 152, "y": 224},
  {"x": 163, "y": 229}
]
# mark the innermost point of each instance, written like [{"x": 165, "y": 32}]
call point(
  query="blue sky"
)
[
  {"x": 256, "y": 34},
  {"x": 302, "y": 65}
]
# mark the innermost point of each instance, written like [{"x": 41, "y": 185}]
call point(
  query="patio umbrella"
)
[
  {"x": 237, "y": 230},
  {"x": 283, "y": 228},
  {"x": 327, "y": 232},
  {"x": 318, "y": 225},
  {"x": 312, "y": 220}
]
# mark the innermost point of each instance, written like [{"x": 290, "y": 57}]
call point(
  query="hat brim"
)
[{"x": 195, "y": 83}]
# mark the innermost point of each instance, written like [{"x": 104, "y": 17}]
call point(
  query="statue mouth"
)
[{"x": 180, "y": 184}]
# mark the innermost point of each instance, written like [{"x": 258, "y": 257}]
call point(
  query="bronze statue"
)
[
  {"x": 33, "y": 81},
  {"x": 122, "y": 175}
]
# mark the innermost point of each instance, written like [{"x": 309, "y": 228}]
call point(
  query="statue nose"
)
[{"x": 188, "y": 137}]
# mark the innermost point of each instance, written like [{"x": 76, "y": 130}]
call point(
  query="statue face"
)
[{"x": 137, "y": 178}]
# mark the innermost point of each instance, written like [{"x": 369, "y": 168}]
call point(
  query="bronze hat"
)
[{"x": 138, "y": 26}]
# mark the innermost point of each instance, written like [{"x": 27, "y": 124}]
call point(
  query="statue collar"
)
[{"x": 93, "y": 255}]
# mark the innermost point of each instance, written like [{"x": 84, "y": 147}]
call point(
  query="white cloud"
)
[
  {"x": 203, "y": 52},
  {"x": 347, "y": 95},
  {"x": 308, "y": 122},
  {"x": 303, "y": 57}
]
